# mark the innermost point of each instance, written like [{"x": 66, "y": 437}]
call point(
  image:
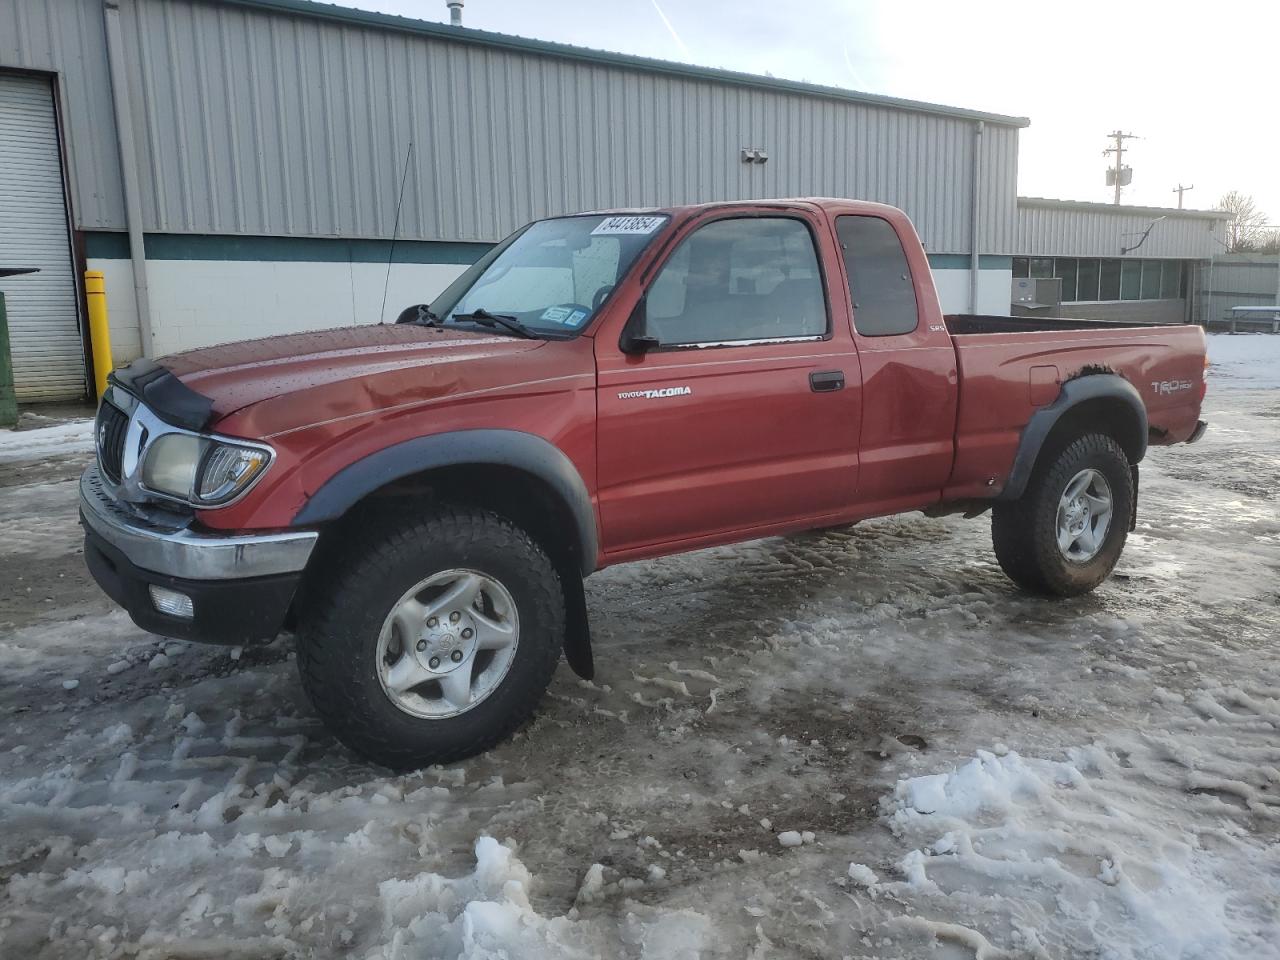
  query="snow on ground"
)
[
  {"x": 1249, "y": 360},
  {"x": 65, "y": 438},
  {"x": 862, "y": 742}
]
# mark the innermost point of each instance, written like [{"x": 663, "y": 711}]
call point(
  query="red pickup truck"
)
[{"x": 420, "y": 502}]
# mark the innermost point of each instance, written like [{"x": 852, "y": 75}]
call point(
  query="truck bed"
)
[{"x": 1009, "y": 367}]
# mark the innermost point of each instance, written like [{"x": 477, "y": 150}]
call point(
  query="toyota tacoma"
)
[{"x": 419, "y": 502}]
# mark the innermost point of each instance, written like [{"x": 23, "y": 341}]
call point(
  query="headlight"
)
[
  {"x": 199, "y": 470},
  {"x": 171, "y": 464},
  {"x": 227, "y": 470}
]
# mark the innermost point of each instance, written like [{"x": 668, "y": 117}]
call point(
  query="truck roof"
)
[{"x": 689, "y": 209}]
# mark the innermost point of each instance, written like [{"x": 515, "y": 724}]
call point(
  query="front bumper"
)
[{"x": 240, "y": 586}]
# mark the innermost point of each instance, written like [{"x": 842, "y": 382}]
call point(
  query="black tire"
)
[
  {"x": 345, "y": 608},
  {"x": 1024, "y": 531}
]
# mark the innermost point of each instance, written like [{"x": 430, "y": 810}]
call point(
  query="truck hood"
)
[{"x": 305, "y": 378}]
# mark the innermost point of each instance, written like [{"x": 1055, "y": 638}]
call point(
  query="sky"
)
[{"x": 1197, "y": 82}]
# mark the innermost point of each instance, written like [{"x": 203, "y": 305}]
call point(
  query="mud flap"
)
[
  {"x": 577, "y": 630},
  {"x": 1133, "y": 513}
]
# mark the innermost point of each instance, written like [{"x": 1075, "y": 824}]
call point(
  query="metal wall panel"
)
[
  {"x": 44, "y": 321},
  {"x": 262, "y": 123},
  {"x": 1240, "y": 280},
  {"x": 1069, "y": 229},
  {"x": 1246, "y": 273},
  {"x": 67, "y": 37},
  {"x": 270, "y": 122}
]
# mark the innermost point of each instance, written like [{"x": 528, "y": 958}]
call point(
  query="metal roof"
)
[
  {"x": 1070, "y": 228},
  {"x": 329, "y": 11},
  {"x": 1120, "y": 209}
]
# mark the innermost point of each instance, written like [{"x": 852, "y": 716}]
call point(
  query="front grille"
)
[
  {"x": 110, "y": 429},
  {"x": 155, "y": 518}
]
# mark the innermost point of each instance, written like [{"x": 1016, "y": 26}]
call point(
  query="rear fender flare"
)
[
  {"x": 1094, "y": 386},
  {"x": 506, "y": 448}
]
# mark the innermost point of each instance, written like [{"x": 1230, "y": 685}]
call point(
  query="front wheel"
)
[
  {"x": 434, "y": 640},
  {"x": 1064, "y": 535}
]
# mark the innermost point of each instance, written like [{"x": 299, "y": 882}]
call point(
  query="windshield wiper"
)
[{"x": 486, "y": 319}]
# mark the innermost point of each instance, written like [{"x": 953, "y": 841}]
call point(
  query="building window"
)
[
  {"x": 1091, "y": 279},
  {"x": 1087, "y": 279},
  {"x": 1150, "y": 279},
  {"x": 1131, "y": 280},
  {"x": 1109, "y": 288},
  {"x": 1065, "y": 269}
]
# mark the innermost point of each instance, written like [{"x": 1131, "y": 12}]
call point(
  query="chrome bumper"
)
[{"x": 153, "y": 541}]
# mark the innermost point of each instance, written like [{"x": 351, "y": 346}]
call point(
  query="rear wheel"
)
[
  {"x": 434, "y": 639},
  {"x": 1065, "y": 534}
]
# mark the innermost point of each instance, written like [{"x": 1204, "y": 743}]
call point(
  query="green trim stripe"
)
[
  {"x": 960, "y": 261},
  {"x": 102, "y": 245}
]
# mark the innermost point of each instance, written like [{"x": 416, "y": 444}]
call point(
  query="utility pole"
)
[
  {"x": 1119, "y": 175},
  {"x": 1180, "y": 190}
]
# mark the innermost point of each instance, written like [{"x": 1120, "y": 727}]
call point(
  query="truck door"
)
[
  {"x": 745, "y": 413},
  {"x": 908, "y": 367}
]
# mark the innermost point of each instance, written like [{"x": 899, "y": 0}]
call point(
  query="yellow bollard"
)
[{"x": 95, "y": 290}]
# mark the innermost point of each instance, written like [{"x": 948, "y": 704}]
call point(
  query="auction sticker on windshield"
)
[{"x": 628, "y": 225}]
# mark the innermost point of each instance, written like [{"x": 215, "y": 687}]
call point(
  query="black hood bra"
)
[{"x": 168, "y": 397}]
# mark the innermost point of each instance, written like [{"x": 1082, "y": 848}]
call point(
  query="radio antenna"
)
[{"x": 395, "y": 231}]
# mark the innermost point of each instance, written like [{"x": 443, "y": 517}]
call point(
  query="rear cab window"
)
[{"x": 880, "y": 285}]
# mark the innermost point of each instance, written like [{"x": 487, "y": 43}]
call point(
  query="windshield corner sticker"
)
[
  {"x": 655, "y": 394},
  {"x": 628, "y": 225},
  {"x": 555, "y": 314},
  {"x": 575, "y": 318}
]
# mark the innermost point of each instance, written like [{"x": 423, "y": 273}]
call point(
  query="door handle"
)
[{"x": 825, "y": 381}]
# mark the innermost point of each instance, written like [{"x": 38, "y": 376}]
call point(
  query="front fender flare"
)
[
  {"x": 506, "y": 448},
  {"x": 1094, "y": 386}
]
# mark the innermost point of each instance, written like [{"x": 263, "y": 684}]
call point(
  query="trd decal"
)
[
  {"x": 655, "y": 394},
  {"x": 1166, "y": 387}
]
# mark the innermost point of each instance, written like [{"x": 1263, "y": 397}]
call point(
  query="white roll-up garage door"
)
[{"x": 44, "y": 322}]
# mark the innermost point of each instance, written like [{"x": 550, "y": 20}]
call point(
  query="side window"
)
[
  {"x": 752, "y": 278},
  {"x": 884, "y": 299}
]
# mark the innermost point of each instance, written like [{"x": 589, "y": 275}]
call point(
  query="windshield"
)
[{"x": 552, "y": 276}]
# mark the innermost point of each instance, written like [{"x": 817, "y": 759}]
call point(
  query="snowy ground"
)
[{"x": 860, "y": 743}]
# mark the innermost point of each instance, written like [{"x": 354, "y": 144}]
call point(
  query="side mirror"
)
[{"x": 636, "y": 338}]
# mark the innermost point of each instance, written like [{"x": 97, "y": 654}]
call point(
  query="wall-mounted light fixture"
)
[{"x": 755, "y": 155}]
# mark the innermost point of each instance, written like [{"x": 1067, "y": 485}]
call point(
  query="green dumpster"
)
[{"x": 8, "y": 398}]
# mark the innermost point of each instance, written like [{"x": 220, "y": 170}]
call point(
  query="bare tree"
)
[{"x": 1247, "y": 228}]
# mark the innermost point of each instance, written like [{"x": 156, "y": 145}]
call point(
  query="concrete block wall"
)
[{"x": 198, "y": 303}]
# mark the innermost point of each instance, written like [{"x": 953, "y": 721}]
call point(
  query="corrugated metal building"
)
[
  {"x": 1141, "y": 264},
  {"x": 257, "y": 184},
  {"x": 1240, "y": 280}
]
